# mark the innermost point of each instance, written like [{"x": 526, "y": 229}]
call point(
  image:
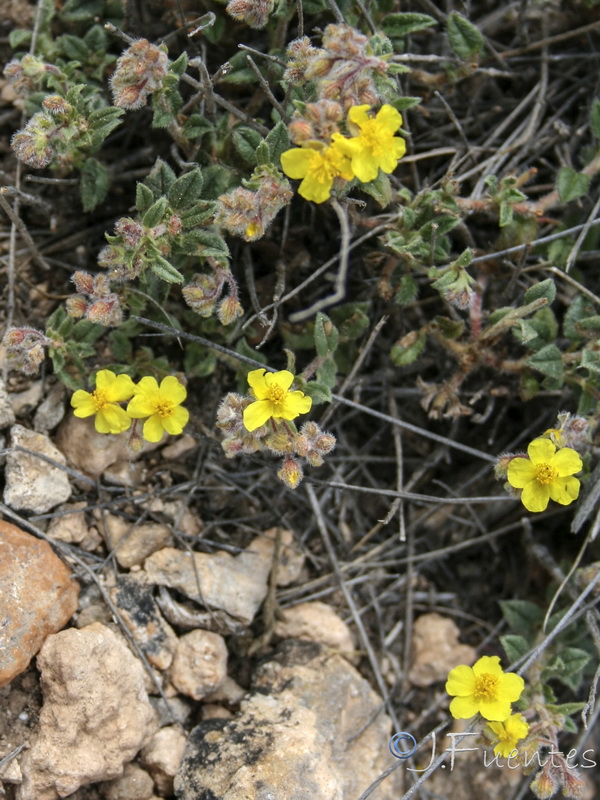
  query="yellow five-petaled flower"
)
[
  {"x": 161, "y": 404},
  {"x": 546, "y": 474},
  {"x": 110, "y": 390},
  {"x": 273, "y": 398},
  {"x": 375, "y": 147},
  {"x": 483, "y": 688},
  {"x": 318, "y": 165},
  {"x": 508, "y": 733}
]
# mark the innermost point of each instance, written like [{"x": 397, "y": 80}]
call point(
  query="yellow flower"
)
[
  {"x": 318, "y": 165},
  {"x": 545, "y": 474},
  {"x": 375, "y": 147},
  {"x": 508, "y": 734},
  {"x": 273, "y": 398},
  {"x": 110, "y": 390},
  {"x": 483, "y": 688},
  {"x": 162, "y": 405}
]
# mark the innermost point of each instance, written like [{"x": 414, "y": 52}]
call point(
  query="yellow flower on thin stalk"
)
[
  {"x": 110, "y": 390},
  {"x": 317, "y": 165},
  {"x": 508, "y": 733},
  {"x": 375, "y": 147},
  {"x": 274, "y": 400},
  {"x": 483, "y": 688},
  {"x": 161, "y": 405},
  {"x": 546, "y": 474}
]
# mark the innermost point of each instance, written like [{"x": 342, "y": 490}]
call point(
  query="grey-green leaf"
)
[
  {"x": 571, "y": 184},
  {"x": 465, "y": 39}
]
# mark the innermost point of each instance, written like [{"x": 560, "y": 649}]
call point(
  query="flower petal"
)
[
  {"x": 389, "y": 161},
  {"x": 541, "y": 451},
  {"x": 520, "y": 472},
  {"x": 83, "y": 404},
  {"x": 141, "y": 405},
  {"x": 256, "y": 414},
  {"x": 121, "y": 389},
  {"x": 535, "y": 496},
  {"x": 294, "y": 404},
  {"x": 153, "y": 429},
  {"x": 365, "y": 166},
  {"x": 511, "y": 686},
  {"x": 112, "y": 419},
  {"x": 567, "y": 461},
  {"x": 283, "y": 379},
  {"x": 177, "y": 421},
  {"x": 488, "y": 665},
  {"x": 257, "y": 382},
  {"x": 495, "y": 710},
  {"x": 565, "y": 490},
  {"x": 463, "y": 707},
  {"x": 104, "y": 378},
  {"x": 171, "y": 389},
  {"x": 296, "y": 162},
  {"x": 314, "y": 190},
  {"x": 389, "y": 118},
  {"x": 358, "y": 115},
  {"x": 461, "y": 681},
  {"x": 147, "y": 385}
]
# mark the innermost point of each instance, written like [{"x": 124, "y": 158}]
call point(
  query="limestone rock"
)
[
  {"x": 291, "y": 557},
  {"x": 436, "y": 650},
  {"x": 38, "y": 596},
  {"x": 317, "y": 622},
  {"x": 7, "y": 415},
  {"x": 134, "y": 784},
  {"x": 23, "y": 402},
  {"x": 134, "y": 543},
  {"x": 86, "y": 449},
  {"x": 293, "y": 736},
  {"x": 70, "y": 527},
  {"x": 200, "y": 664},
  {"x": 235, "y": 584},
  {"x": 162, "y": 757},
  {"x": 96, "y": 714},
  {"x": 51, "y": 410},
  {"x": 140, "y": 613},
  {"x": 33, "y": 484}
]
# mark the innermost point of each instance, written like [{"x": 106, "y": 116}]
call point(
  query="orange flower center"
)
[
  {"x": 276, "y": 395},
  {"x": 486, "y": 686},
  {"x": 100, "y": 399},
  {"x": 164, "y": 408},
  {"x": 545, "y": 473}
]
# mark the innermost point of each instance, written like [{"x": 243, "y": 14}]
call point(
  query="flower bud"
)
[
  {"x": 56, "y": 104},
  {"x": 130, "y": 230},
  {"x": 105, "y": 312},
  {"x": 254, "y": 13},
  {"x": 84, "y": 282},
  {"x": 76, "y": 306},
  {"x": 290, "y": 473},
  {"x": 229, "y": 310}
]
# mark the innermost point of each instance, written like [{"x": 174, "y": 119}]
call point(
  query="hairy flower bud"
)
[
  {"x": 229, "y": 310},
  {"x": 76, "y": 306},
  {"x": 130, "y": 230},
  {"x": 56, "y": 104},
  {"x": 140, "y": 71},
  {"x": 545, "y": 783},
  {"x": 202, "y": 293},
  {"x": 106, "y": 312},
  {"x": 84, "y": 282},
  {"x": 254, "y": 13},
  {"x": 31, "y": 147},
  {"x": 291, "y": 472}
]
